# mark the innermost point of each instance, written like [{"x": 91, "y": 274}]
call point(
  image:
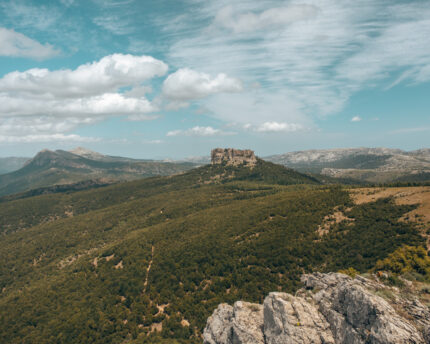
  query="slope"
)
[
  {"x": 60, "y": 167},
  {"x": 149, "y": 260}
]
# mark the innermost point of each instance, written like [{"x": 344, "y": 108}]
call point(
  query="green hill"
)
[{"x": 149, "y": 260}]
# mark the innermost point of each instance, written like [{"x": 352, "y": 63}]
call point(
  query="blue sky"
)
[{"x": 172, "y": 79}]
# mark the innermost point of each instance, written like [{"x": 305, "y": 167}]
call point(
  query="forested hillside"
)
[{"x": 149, "y": 260}]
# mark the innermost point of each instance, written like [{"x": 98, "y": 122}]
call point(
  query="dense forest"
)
[{"x": 148, "y": 261}]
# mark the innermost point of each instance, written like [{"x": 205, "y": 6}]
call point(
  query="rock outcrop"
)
[
  {"x": 331, "y": 308},
  {"x": 233, "y": 157}
]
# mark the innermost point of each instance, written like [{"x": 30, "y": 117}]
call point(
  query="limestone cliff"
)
[
  {"x": 331, "y": 308},
  {"x": 233, "y": 157}
]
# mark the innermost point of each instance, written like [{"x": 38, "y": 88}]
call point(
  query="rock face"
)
[
  {"x": 240, "y": 324},
  {"x": 233, "y": 157},
  {"x": 331, "y": 308}
]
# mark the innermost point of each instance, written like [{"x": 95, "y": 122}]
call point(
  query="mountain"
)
[
  {"x": 147, "y": 261},
  {"x": 89, "y": 154},
  {"x": 330, "y": 308},
  {"x": 10, "y": 164},
  {"x": 49, "y": 168},
  {"x": 376, "y": 165}
]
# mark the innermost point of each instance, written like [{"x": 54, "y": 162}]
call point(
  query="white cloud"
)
[
  {"x": 104, "y": 105},
  {"x": 108, "y": 74},
  {"x": 250, "y": 21},
  {"x": 356, "y": 119},
  {"x": 274, "y": 127},
  {"x": 186, "y": 84},
  {"x": 198, "y": 131},
  {"x": 40, "y": 104},
  {"x": 46, "y": 138},
  {"x": 15, "y": 44}
]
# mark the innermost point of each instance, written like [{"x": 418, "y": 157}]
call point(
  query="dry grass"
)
[
  {"x": 330, "y": 220},
  {"x": 402, "y": 195}
]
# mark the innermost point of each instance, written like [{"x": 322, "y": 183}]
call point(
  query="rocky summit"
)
[
  {"x": 330, "y": 308},
  {"x": 233, "y": 157}
]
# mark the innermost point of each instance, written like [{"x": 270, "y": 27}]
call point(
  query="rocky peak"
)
[
  {"x": 330, "y": 308},
  {"x": 233, "y": 157},
  {"x": 86, "y": 153}
]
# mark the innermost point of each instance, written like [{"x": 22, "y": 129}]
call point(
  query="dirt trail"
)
[{"x": 148, "y": 269}]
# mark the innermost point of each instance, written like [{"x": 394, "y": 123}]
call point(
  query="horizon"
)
[
  {"x": 207, "y": 155},
  {"x": 171, "y": 81}
]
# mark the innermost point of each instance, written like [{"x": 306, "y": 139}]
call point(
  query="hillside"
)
[
  {"x": 149, "y": 260},
  {"x": 11, "y": 164},
  {"x": 49, "y": 168},
  {"x": 375, "y": 165}
]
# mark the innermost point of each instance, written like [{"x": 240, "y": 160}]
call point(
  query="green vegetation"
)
[
  {"x": 109, "y": 265},
  {"x": 407, "y": 260}
]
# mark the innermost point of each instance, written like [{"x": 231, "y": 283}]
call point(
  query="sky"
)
[{"x": 176, "y": 78}]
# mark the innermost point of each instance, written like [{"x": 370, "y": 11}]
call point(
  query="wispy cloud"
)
[
  {"x": 15, "y": 44},
  {"x": 47, "y": 138},
  {"x": 410, "y": 130},
  {"x": 356, "y": 119},
  {"x": 316, "y": 53},
  {"x": 199, "y": 131},
  {"x": 272, "y": 17},
  {"x": 114, "y": 24},
  {"x": 34, "y": 16}
]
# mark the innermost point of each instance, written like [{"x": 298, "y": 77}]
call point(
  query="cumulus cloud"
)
[
  {"x": 356, "y": 119},
  {"x": 15, "y": 44},
  {"x": 39, "y": 103},
  {"x": 187, "y": 84},
  {"x": 198, "y": 131},
  {"x": 250, "y": 21},
  {"x": 275, "y": 127},
  {"x": 103, "y": 105},
  {"x": 107, "y": 75}
]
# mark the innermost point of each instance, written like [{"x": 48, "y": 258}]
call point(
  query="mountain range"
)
[
  {"x": 58, "y": 167},
  {"x": 375, "y": 165},
  {"x": 344, "y": 165}
]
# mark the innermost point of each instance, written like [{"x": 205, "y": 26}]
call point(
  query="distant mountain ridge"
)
[
  {"x": 11, "y": 164},
  {"x": 61, "y": 167},
  {"x": 365, "y": 164}
]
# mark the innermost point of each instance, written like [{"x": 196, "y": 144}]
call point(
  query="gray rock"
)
[
  {"x": 289, "y": 319},
  {"x": 240, "y": 324},
  {"x": 218, "y": 327},
  {"x": 331, "y": 308}
]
